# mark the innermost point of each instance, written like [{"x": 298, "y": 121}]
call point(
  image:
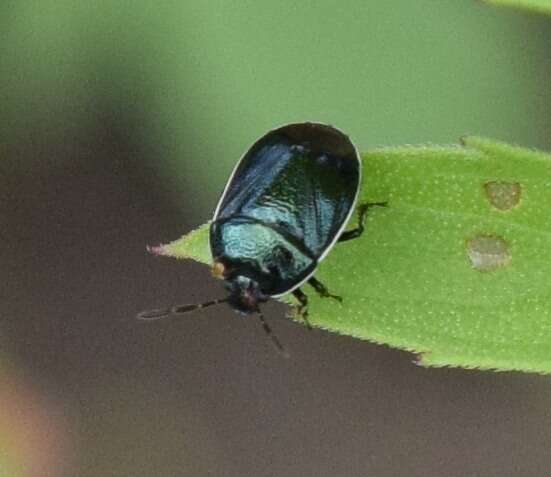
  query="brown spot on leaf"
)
[
  {"x": 488, "y": 252},
  {"x": 503, "y": 195}
]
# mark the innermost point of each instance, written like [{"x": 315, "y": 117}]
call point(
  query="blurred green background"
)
[{"x": 120, "y": 124}]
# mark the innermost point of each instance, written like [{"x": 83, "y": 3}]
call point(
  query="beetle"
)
[{"x": 284, "y": 207}]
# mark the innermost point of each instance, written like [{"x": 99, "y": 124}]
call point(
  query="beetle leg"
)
[
  {"x": 303, "y": 307},
  {"x": 362, "y": 214},
  {"x": 322, "y": 289}
]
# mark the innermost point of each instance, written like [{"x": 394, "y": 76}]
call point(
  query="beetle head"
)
[{"x": 245, "y": 293}]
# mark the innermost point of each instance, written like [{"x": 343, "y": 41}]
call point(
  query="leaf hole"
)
[{"x": 488, "y": 252}]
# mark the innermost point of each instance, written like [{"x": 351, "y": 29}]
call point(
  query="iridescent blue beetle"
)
[{"x": 284, "y": 207}]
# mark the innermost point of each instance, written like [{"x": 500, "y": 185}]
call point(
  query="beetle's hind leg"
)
[
  {"x": 302, "y": 309},
  {"x": 362, "y": 214},
  {"x": 322, "y": 290}
]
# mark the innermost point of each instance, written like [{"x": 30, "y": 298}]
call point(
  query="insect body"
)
[{"x": 284, "y": 207}]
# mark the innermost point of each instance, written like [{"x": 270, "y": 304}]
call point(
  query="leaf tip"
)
[{"x": 157, "y": 250}]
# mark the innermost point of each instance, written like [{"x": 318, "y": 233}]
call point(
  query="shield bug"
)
[{"x": 285, "y": 206}]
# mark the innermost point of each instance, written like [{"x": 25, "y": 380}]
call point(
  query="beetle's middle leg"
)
[
  {"x": 303, "y": 306},
  {"x": 322, "y": 290},
  {"x": 362, "y": 214}
]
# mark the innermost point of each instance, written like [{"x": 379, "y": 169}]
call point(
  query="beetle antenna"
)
[
  {"x": 279, "y": 347},
  {"x": 151, "y": 315}
]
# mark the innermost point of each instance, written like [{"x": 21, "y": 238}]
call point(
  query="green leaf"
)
[
  {"x": 539, "y": 6},
  {"x": 456, "y": 268}
]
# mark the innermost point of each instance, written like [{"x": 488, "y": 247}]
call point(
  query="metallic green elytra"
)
[{"x": 284, "y": 207}]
